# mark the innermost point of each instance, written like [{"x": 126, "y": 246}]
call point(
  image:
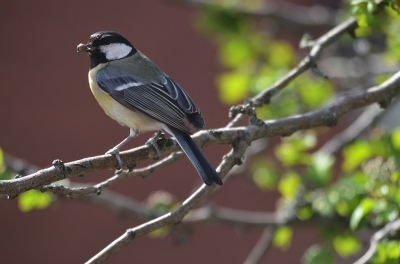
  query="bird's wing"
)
[
  {"x": 186, "y": 103},
  {"x": 151, "y": 98}
]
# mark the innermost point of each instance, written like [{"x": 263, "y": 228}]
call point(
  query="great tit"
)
[{"x": 136, "y": 93}]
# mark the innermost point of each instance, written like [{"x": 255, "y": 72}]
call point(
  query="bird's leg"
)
[
  {"x": 153, "y": 142},
  {"x": 115, "y": 150}
]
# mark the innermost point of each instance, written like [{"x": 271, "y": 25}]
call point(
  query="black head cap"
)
[{"x": 106, "y": 46}]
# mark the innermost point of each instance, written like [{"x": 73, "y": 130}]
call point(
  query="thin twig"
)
[
  {"x": 307, "y": 63},
  {"x": 378, "y": 236},
  {"x": 262, "y": 245},
  {"x": 363, "y": 122},
  {"x": 287, "y": 214}
]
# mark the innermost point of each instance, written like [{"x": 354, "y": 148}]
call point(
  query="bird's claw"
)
[
  {"x": 115, "y": 152},
  {"x": 153, "y": 142}
]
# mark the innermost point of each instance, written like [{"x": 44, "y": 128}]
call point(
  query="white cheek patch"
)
[{"x": 116, "y": 51}]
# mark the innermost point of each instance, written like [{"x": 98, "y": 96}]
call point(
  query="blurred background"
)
[{"x": 47, "y": 112}]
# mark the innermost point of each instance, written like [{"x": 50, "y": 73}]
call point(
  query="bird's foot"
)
[
  {"x": 153, "y": 142},
  {"x": 115, "y": 152}
]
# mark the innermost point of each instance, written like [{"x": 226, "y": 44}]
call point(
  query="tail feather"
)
[{"x": 196, "y": 156}]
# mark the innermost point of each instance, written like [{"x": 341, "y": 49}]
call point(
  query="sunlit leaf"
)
[
  {"x": 397, "y": 196},
  {"x": 380, "y": 78},
  {"x": 233, "y": 87},
  {"x": 291, "y": 151},
  {"x": 265, "y": 178},
  {"x": 346, "y": 245},
  {"x": 282, "y": 238},
  {"x": 1, "y": 157},
  {"x": 236, "y": 51},
  {"x": 3, "y": 174},
  {"x": 396, "y": 138},
  {"x": 343, "y": 208},
  {"x": 281, "y": 54},
  {"x": 365, "y": 206},
  {"x": 380, "y": 255},
  {"x": 34, "y": 199},
  {"x": 289, "y": 184},
  {"x": 314, "y": 92},
  {"x": 395, "y": 177},
  {"x": 288, "y": 154},
  {"x": 355, "y": 154},
  {"x": 305, "y": 213},
  {"x": 393, "y": 249}
]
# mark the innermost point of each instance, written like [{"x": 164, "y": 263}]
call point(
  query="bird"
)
[{"x": 136, "y": 93}]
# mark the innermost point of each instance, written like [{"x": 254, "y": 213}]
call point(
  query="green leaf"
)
[
  {"x": 395, "y": 137},
  {"x": 305, "y": 213},
  {"x": 288, "y": 154},
  {"x": 291, "y": 151},
  {"x": 281, "y": 54},
  {"x": 365, "y": 206},
  {"x": 3, "y": 174},
  {"x": 355, "y": 154},
  {"x": 343, "y": 208},
  {"x": 289, "y": 184},
  {"x": 282, "y": 238},
  {"x": 233, "y": 87},
  {"x": 380, "y": 255},
  {"x": 34, "y": 199},
  {"x": 1, "y": 157},
  {"x": 397, "y": 196},
  {"x": 393, "y": 249},
  {"x": 346, "y": 245},
  {"x": 318, "y": 255},
  {"x": 395, "y": 177},
  {"x": 236, "y": 51},
  {"x": 381, "y": 78},
  {"x": 265, "y": 178},
  {"x": 363, "y": 20},
  {"x": 314, "y": 92}
]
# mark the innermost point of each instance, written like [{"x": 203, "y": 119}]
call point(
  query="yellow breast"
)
[{"x": 126, "y": 117}]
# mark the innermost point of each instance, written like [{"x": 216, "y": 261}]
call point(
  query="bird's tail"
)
[{"x": 196, "y": 156}]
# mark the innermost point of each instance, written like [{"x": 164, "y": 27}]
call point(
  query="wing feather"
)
[{"x": 152, "y": 99}]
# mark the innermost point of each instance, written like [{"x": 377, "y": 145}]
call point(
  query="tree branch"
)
[
  {"x": 75, "y": 192},
  {"x": 363, "y": 122},
  {"x": 378, "y": 236},
  {"x": 327, "y": 116}
]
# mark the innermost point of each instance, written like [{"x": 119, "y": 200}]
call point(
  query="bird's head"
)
[{"x": 106, "y": 46}]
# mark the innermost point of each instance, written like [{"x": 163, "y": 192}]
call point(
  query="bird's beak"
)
[{"x": 82, "y": 47}]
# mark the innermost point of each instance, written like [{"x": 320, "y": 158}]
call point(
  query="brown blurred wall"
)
[{"x": 47, "y": 112}]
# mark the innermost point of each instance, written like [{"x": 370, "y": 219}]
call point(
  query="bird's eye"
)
[{"x": 105, "y": 41}]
